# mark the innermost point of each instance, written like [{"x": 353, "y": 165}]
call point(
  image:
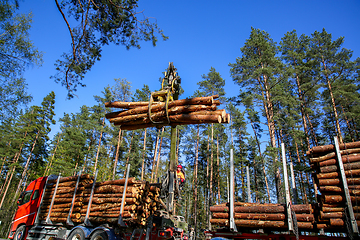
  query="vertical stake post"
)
[
  {"x": 232, "y": 220},
  {"x": 287, "y": 191},
  {"x": 346, "y": 189},
  {"x": 248, "y": 184}
]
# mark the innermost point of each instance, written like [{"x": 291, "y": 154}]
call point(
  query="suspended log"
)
[{"x": 189, "y": 101}]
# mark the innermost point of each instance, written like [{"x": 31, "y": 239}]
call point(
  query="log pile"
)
[
  {"x": 332, "y": 201},
  {"x": 179, "y": 112},
  {"x": 264, "y": 216},
  {"x": 141, "y": 200}
]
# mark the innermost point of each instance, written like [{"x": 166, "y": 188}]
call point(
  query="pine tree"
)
[{"x": 259, "y": 71}]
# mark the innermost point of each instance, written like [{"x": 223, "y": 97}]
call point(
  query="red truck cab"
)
[{"x": 28, "y": 205}]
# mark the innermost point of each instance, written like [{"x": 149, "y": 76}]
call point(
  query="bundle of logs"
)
[
  {"x": 332, "y": 200},
  {"x": 137, "y": 115},
  {"x": 263, "y": 216},
  {"x": 141, "y": 200}
]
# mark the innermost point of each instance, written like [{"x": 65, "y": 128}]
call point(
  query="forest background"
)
[{"x": 300, "y": 87}]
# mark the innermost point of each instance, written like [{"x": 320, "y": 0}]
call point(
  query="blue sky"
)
[{"x": 202, "y": 34}]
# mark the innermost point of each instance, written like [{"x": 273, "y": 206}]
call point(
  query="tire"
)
[
  {"x": 77, "y": 234},
  {"x": 99, "y": 235},
  {"x": 20, "y": 233}
]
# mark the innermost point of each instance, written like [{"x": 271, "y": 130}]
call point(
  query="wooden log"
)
[
  {"x": 336, "y": 181},
  {"x": 345, "y": 159},
  {"x": 251, "y": 216},
  {"x": 332, "y": 209},
  {"x": 331, "y": 148},
  {"x": 126, "y": 105},
  {"x": 109, "y": 206},
  {"x": 72, "y": 178},
  {"x": 330, "y": 155},
  {"x": 111, "y": 215},
  {"x": 250, "y": 209},
  {"x": 189, "y": 101},
  {"x": 112, "y": 189},
  {"x": 352, "y": 172},
  {"x": 336, "y": 189},
  {"x": 112, "y": 200},
  {"x": 338, "y": 199},
  {"x": 334, "y": 168},
  {"x": 250, "y": 223},
  {"x": 328, "y": 215},
  {"x": 148, "y": 125}
]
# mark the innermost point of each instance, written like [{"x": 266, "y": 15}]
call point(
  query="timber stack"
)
[
  {"x": 332, "y": 200},
  {"x": 268, "y": 216},
  {"x": 141, "y": 200},
  {"x": 137, "y": 115}
]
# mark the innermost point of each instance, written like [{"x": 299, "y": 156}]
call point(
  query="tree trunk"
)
[
  {"x": 98, "y": 150},
  {"x": 195, "y": 176},
  {"x": 155, "y": 155},
  {"x": 117, "y": 154},
  {"x": 143, "y": 162},
  {"x": 26, "y": 167},
  {"x": 128, "y": 157},
  {"x": 159, "y": 154},
  {"x": 337, "y": 124}
]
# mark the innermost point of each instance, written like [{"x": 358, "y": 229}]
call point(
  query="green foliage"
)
[
  {"x": 17, "y": 53},
  {"x": 100, "y": 23}
]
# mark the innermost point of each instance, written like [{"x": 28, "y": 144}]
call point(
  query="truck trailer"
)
[{"x": 77, "y": 208}]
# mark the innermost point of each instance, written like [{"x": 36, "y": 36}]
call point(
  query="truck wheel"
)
[
  {"x": 99, "y": 235},
  {"x": 20, "y": 233},
  {"x": 77, "y": 234}
]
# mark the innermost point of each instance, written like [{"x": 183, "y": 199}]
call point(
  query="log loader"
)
[{"x": 160, "y": 226}]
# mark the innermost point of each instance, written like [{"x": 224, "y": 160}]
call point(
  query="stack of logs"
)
[
  {"x": 332, "y": 201},
  {"x": 179, "y": 112},
  {"x": 141, "y": 200},
  {"x": 262, "y": 216}
]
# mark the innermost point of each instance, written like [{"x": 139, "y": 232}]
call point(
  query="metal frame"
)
[
  {"x": 87, "y": 221},
  {"x": 120, "y": 220},
  {"x": 354, "y": 225},
  {"x": 48, "y": 221}
]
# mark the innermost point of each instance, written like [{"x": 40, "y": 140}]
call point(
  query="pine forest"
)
[{"x": 302, "y": 92}]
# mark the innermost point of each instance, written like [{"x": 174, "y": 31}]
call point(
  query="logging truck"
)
[{"x": 51, "y": 208}]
